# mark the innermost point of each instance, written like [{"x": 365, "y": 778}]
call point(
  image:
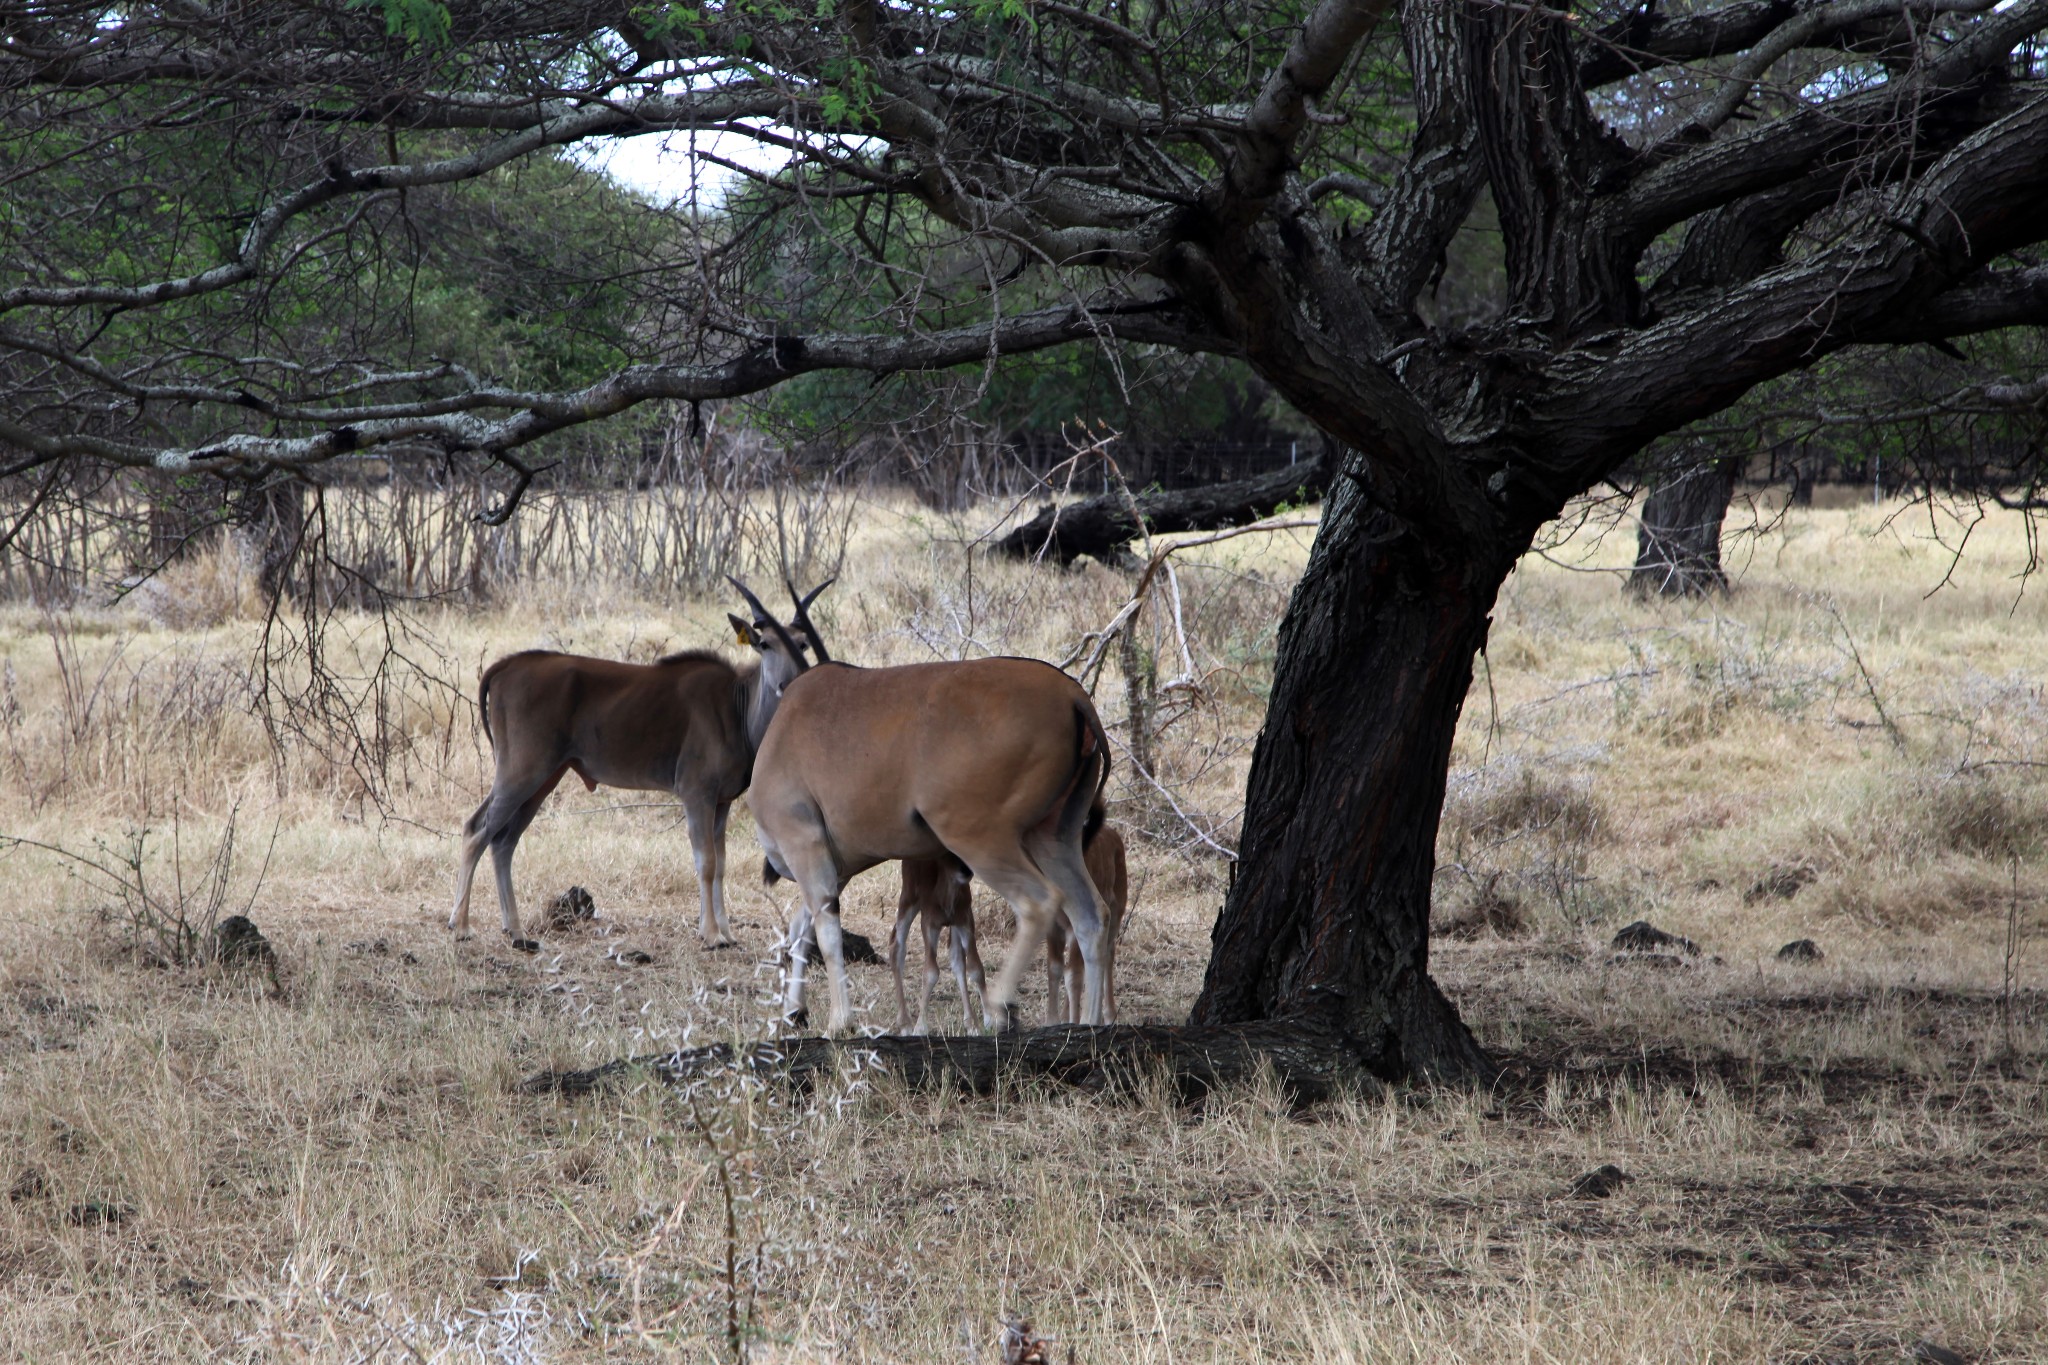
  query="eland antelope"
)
[
  {"x": 997, "y": 762},
  {"x": 936, "y": 893},
  {"x": 689, "y": 723}
]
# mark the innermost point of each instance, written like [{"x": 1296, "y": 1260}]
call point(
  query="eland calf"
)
[{"x": 936, "y": 892}]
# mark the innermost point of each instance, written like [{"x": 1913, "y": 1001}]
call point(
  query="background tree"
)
[
  {"x": 1691, "y": 201},
  {"x": 1678, "y": 535}
]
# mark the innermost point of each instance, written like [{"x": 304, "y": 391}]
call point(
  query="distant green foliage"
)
[
  {"x": 422, "y": 22},
  {"x": 524, "y": 275}
]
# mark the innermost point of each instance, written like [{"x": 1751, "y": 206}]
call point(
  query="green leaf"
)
[{"x": 423, "y": 23}]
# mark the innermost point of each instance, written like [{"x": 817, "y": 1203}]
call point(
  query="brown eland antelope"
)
[
  {"x": 997, "y": 762},
  {"x": 689, "y": 723},
  {"x": 936, "y": 893}
]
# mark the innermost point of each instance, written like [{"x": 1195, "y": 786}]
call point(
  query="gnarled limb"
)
[{"x": 1100, "y": 527}]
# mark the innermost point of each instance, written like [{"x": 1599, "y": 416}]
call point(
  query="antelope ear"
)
[{"x": 742, "y": 632}]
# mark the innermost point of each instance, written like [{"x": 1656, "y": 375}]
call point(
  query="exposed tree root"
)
[{"x": 1309, "y": 1063}]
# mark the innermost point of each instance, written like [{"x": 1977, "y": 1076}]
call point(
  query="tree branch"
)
[
  {"x": 1812, "y": 28},
  {"x": 1650, "y": 36},
  {"x": 451, "y": 421},
  {"x": 1264, "y": 147}
]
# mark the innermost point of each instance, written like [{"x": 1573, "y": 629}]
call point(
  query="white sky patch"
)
[{"x": 666, "y": 167}]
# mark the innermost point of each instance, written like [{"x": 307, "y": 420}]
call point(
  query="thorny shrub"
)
[{"x": 163, "y": 910}]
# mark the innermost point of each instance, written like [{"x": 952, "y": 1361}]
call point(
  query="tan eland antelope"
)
[
  {"x": 997, "y": 762},
  {"x": 936, "y": 893},
  {"x": 688, "y": 723}
]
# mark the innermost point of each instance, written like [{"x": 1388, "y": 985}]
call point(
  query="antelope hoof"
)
[
  {"x": 799, "y": 1019},
  {"x": 525, "y": 945},
  {"x": 713, "y": 942}
]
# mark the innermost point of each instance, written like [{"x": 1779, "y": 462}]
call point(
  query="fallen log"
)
[
  {"x": 1308, "y": 1062},
  {"x": 1101, "y": 527}
]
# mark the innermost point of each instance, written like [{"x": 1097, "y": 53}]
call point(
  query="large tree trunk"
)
[
  {"x": 1678, "y": 548},
  {"x": 275, "y": 527},
  {"x": 1327, "y": 920}
]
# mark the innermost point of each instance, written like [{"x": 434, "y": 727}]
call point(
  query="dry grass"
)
[{"x": 1830, "y": 1161}]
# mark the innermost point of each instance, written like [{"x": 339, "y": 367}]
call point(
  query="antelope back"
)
[
  {"x": 897, "y": 761},
  {"x": 622, "y": 724}
]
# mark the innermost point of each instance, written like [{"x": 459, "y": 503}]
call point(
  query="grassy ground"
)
[{"x": 1829, "y": 1160}]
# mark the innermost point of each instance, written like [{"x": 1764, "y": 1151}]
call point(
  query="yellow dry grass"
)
[{"x": 1830, "y": 1161}]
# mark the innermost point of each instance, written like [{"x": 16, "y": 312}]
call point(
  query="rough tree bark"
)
[
  {"x": 1328, "y": 916},
  {"x": 1678, "y": 541}
]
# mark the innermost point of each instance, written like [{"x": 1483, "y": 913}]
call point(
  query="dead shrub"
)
[
  {"x": 1979, "y": 816},
  {"x": 1512, "y": 833},
  {"x": 1909, "y": 824},
  {"x": 1523, "y": 801},
  {"x": 1919, "y": 898},
  {"x": 168, "y": 915}
]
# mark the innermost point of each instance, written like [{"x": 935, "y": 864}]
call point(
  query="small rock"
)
[
  {"x": 633, "y": 958},
  {"x": 238, "y": 943},
  {"x": 854, "y": 947},
  {"x": 1801, "y": 950},
  {"x": 189, "y": 1289},
  {"x": 97, "y": 1212},
  {"x": 1599, "y": 1183},
  {"x": 1645, "y": 937},
  {"x": 1780, "y": 881},
  {"x": 572, "y": 908},
  {"x": 1937, "y": 1355},
  {"x": 374, "y": 947}
]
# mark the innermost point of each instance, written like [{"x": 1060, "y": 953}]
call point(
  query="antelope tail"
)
[
  {"x": 1084, "y": 805},
  {"x": 483, "y": 701}
]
